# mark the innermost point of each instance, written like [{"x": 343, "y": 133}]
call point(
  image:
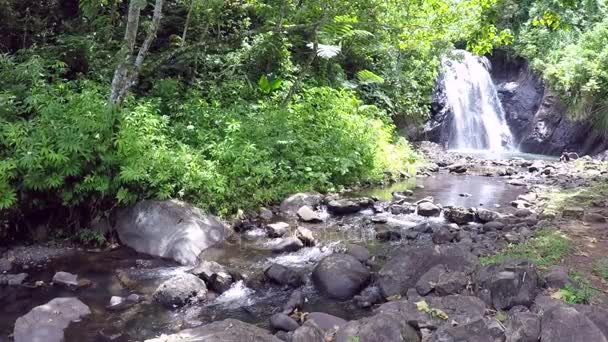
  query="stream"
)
[{"x": 122, "y": 271}]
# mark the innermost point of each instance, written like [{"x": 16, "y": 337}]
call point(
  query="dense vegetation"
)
[{"x": 234, "y": 104}]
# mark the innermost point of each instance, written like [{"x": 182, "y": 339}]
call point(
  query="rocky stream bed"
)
[{"x": 393, "y": 263}]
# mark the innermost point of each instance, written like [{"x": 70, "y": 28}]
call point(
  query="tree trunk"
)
[
  {"x": 128, "y": 69},
  {"x": 188, "y": 18}
]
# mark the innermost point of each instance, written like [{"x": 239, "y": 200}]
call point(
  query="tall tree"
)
[{"x": 128, "y": 69}]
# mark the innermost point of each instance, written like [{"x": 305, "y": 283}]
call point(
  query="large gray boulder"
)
[
  {"x": 514, "y": 282},
  {"x": 403, "y": 271},
  {"x": 387, "y": 326},
  {"x": 228, "y": 330},
  {"x": 180, "y": 290},
  {"x": 566, "y": 324},
  {"x": 523, "y": 327},
  {"x": 169, "y": 229},
  {"x": 340, "y": 276},
  {"x": 46, "y": 323}
]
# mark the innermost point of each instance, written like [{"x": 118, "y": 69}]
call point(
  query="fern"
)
[{"x": 366, "y": 76}]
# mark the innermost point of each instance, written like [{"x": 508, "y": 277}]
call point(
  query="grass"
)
[
  {"x": 580, "y": 292},
  {"x": 557, "y": 200},
  {"x": 600, "y": 268},
  {"x": 546, "y": 248}
]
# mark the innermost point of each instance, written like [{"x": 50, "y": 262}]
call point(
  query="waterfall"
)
[{"x": 478, "y": 121}]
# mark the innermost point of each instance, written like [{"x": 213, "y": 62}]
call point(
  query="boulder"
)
[
  {"x": 457, "y": 168},
  {"x": 306, "y": 236},
  {"x": 266, "y": 214},
  {"x": 287, "y": 245},
  {"x": 381, "y": 327},
  {"x": 475, "y": 331},
  {"x": 597, "y": 314},
  {"x": 566, "y": 324},
  {"x": 594, "y": 218},
  {"x": 13, "y": 279},
  {"x": 296, "y": 301},
  {"x": 281, "y": 321},
  {"x": 228, "y": 330},
  {"x": 428, "y": 209},
  {"x": 343, "y": 207},
  {"x": 402, "y": 209},
  {"x": 340, "y": 276},
  {"x": 47, "y": 322},
  {"x": 493, "y": 226},
  {"x": 324, "y": 322},
  {"x": 278, "y": 229},
  {"x": 359, "y": 252},
  {"x": 443, "y": 235},
  {"x": 485, "y": 215},
  {"x": 387, "y": 233},
  {"x": 293, "y": 203},
  {"x": 169, "y": 229},
  {"x": 307, "y": 214},
  {"x": 205, "y": 269},
  {"x": 426, "y": 283},
  {"x": 514, "y": 282},
  {"x": 556, "y": 278},
  {"x": 459, "y": 215},
  {"x": 282, "y": 275},
  {"x": 523, "y": 327},
  {"x": 180, "y": 290},
  {"x": 403, "y": 271},
  {"x": 308, "y": 333},
  {"x": 65, "y": 278}
]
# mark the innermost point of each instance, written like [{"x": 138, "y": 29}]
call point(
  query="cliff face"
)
[{"x": 536, "y": 116}]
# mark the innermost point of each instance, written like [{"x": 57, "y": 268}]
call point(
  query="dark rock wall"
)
[{"x": 537, "y": 117}]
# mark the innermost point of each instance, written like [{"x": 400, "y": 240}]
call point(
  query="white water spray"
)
[{"x": 478, "y": 121}]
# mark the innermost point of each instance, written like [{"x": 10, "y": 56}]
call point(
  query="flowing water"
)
[
  {"x": 478, "y": 121},
  {"x": 122, "y": 272}
]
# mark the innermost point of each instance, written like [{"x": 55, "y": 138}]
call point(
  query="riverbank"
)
[{"x": 413, "y": 252}]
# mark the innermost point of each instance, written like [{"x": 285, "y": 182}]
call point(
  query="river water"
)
[{"x": 122, "y": 272}]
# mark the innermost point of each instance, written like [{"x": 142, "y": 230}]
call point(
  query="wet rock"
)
[
  {"x": 287, "y": 245},
  {"x": 5, "y": 265},
  {"x": 340, "y": 276},
  {"x": 305, "y": 235},
  {"x": 520, "y": 204},
  {"x": 292, "y": 204},
  {"x": 180, "y": 290},
  {"x": 220, "y": 282},
  {"x": 359, "y": 252},
  {"x": 308, "y": 333},
  {"x": 324, "y": 322},
  {"x": 475, "y": 331},
  {"x": 485, "y": 215},
  {"x": 459, "y": 215},
  {"x": 428, "y": 209},
  {"x": 443, "y": 235},
  {"x": 343, "y": 207},
  {"x": 228, "y": 330},
  {"x": 517, "y": 182},
  {"x": 403, "y": 271},
  {"x": 386, "y": 233},
  {"x": 523, "y": 327},
  {"x": 380, "y": 327},
  {"x": 457, "y": 168},
  {"x": 282, "y": 275},
  {"x": 134, "y": 298},
  {"x": 556, "y": 278},
  {"x": 493, "y": 226},
  {"x": 13, "y": 279},
  {"x": 565, "y": 324},
  {"x": 169, "y": 229},
  {"x": 381, "y": 219},
  {"x": 508, "y": 284},
  {"x": 65, "y": 278},
  {"x": 266, "y": 214},
  {"x": 116, "y": 303},
  {"x": 524, "y": 212},
  {"x": 276, "y": 230},
  {"x": 296, "y": 301},
  {"x": 402, "y": 209},
  {"x": 369, "y": 296},
  {"x": 307, "y": 214},
  {"x": 205, "y": 269},
  {"x": 280, "y": 321},
  {"x": 573, "y": 212},
  {"x": 47, "y": 322}
]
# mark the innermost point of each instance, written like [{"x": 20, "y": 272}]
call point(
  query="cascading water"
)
[{"x": 478, "y": 121}]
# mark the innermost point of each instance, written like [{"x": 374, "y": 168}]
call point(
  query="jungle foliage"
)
[{"x": 228, "y": 103}]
